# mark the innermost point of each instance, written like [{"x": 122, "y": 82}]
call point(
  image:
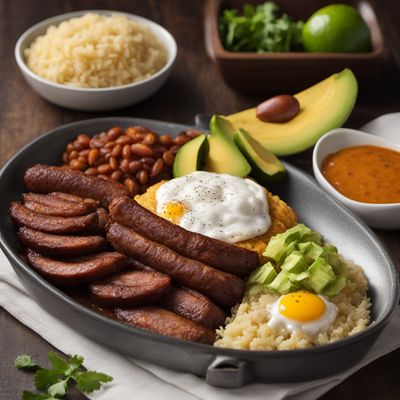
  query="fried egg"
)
[
  {"x": 304, "y": 311},
  {"x": 220, "y": 206}
]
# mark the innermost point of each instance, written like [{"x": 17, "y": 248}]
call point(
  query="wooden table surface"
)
[{"x": 194, "y": 86}]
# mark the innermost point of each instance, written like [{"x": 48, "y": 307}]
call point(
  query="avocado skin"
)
[
  {"x": 195, "y": 149},
  {"x": 265, "y": 167},
  {"x": 223, "y": 156}
]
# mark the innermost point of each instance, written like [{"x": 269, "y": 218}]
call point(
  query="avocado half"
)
[
  {"x": 323, "y": 107},
  {"x": 265, "y": 167}
]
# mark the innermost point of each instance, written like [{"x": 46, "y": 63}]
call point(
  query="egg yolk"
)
[
  {"x": 301, "y": 306},
  {"x": 173, "y": 211}
]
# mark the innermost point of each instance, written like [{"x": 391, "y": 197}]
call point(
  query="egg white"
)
[
  {"x": 220, "y": 206},
  {"x": 279, "y": 321}
]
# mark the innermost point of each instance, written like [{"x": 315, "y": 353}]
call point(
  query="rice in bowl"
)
[
  {"x": 248, "y": 328},
  {"x": 97, "y": 51}
]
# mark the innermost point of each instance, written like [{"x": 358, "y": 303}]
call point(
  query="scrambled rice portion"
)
[{"x": 248, "y": 329}]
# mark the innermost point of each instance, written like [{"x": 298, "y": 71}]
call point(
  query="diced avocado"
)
[
  {"x": 282, "y": 284},
  {"x": 335, "y": 287},
  {"x": 321, "y": 275},
  {"x": 333, "y": 257},
  {"x": 297, "y": 278},
  {"x": 223, "y": 156},
  {"x": 312, "y": 251},
  {"x": 265, "y": 167},
  {"x": 294, "y": 263},
  {"x": 309, "y": 235},
  {"x": 278, "y": 246},
  {"x": 190, "y": 156},
  {"x": 263, "y": 275},
  {"x": 324, "y": 106}
]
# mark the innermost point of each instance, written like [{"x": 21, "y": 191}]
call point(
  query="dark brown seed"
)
[
  {"x": 157, "y": 168},
  {"x": 131, "y": 131},
  {"x": 93, "y": 156},
  {"x": 104, "y": 169},
  {"x": 146, "y": 167},
  {"x": 141, "y": 129},
  {"x": 104, "y": 151},
  {"x": 278, "y": 109},
  {"x": 174, "y": 149},
  {"x": 84, "y": 152},
  {"x": 168, "y": 158},
  {"x": 65, "y": 157},
  {"x": 69, "y": 148},
  {"x": 134, "y": 166},
  {"x": 82, "y": 159},
  {"x": 192, "y": 133}
]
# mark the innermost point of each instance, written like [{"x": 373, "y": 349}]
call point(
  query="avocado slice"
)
[
  {"x": 324, "y": 106},
  {"x": 223, "y": 156},
  {"x": 335, "y": 287},
  {"x": 294, "y": 263},
  {"x": 263, "y": 275},
  {"x": 265, "y": 167},
  {"x": 190, "y": 156},
  {"x": 321, "y": 275}
]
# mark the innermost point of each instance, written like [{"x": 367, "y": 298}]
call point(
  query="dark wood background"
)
[{"x": 194, "y": 86}]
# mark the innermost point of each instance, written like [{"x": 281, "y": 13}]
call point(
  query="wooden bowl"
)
[{"x": 290, "y": 71}]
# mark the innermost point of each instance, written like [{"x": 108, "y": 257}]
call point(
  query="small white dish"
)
[
  {"x": 88, "y": 99},
  {"x": 381, "y": 216}
]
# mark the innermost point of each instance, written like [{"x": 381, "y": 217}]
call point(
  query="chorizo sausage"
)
[
  {"x": 22, "y": 216},
  {"x": 45, "y": 178},
  {"x": 166, "y": 323},
  {"x": 76, "y": 272},
  {"x": 130, "y": 289},
  {"x": 52, "y": 205},
  {"x": 225, "y": 289},
  {"x": 216, "y": 253},
  {"x": 60, "y": 245},
  {"x": 194, "y": 306}
]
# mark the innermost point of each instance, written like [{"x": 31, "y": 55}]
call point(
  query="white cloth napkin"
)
[{"x": 147, "y": 381}]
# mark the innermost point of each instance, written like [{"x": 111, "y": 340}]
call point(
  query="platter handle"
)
[{"x": 228, "y": 372}]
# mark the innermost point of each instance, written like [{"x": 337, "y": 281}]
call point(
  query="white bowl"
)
[
  {"x": 382, "y": 216},
  {"x": 87, "y": 99}
]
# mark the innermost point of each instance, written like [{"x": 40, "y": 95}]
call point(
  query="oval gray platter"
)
[{"x": 222, "y": 367}]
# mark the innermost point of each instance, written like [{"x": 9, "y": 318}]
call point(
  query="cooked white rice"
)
[
  {"x": 96, "y": 51},
  {"x": 248, "y": 328}
]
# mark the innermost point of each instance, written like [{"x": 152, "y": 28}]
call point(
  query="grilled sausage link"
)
[
  {"x": 44, "y": 179},
  {"x": 23, "y": 216},
  {"x": 194, "y": 306},
  {"x": 225, "y": 289},
  {"x": 218, "y": 254},
  {"x": 86, "y": 269},
  {"x": 166, "y": 323},
  {"x": 60, "y": 245},
  {"x": 52, "y": 205},
  {"x": 130, "y": 289}
]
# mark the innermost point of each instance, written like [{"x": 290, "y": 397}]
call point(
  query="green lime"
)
[{"x": 336, "y": 28}]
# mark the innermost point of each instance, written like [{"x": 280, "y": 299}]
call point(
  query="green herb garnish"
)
[
  {"x": 260, "y": 29},
  {"x": 54, "y": 382}
]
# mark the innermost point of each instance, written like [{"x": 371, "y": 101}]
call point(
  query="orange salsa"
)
[{"x": 369, "y": 174}]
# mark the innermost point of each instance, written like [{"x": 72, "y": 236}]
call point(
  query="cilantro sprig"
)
[
  {"x": 54, "y": 382},
  {"x": 260, "y": 29}
]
